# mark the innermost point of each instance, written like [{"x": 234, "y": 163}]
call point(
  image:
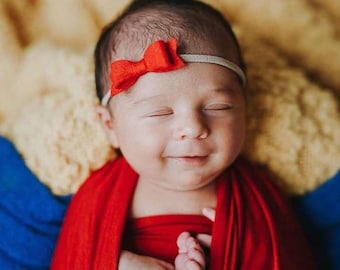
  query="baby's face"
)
[{"x": 181, "y": 129}]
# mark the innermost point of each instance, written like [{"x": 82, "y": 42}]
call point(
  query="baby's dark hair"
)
[{"x": 198, "y": 28}]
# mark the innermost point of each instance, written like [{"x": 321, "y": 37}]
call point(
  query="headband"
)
[{"x": 160, "y": 56}]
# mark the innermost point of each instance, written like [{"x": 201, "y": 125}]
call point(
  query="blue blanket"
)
[
  {"x": 31, "y": 217},
  {"x": 319, "y": 212}
]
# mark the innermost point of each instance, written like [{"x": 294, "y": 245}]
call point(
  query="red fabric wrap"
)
[
  {"x": 160, "y": 56},
  {"x": 253, "y": 229},
  {"x": 156, "y": 236}
]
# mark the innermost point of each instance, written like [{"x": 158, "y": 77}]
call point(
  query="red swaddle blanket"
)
[
  {"x": 156, "y": 236},
  {"x": 253, "y": 229}
]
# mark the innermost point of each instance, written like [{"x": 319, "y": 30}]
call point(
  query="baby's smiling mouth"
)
[{"x": 191, "y": 160}]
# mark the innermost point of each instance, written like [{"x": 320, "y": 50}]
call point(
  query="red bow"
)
[{"x": 160, "y": 56}]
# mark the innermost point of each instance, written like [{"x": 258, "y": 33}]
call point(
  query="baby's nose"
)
[{"x": 191, "y": 126}]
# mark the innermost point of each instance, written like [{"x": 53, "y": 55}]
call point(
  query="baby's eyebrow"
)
[
  {"x": 148, "y": 99},
  {"x": 227, "y": 90}
]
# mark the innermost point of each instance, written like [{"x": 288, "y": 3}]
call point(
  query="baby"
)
[{"x": 171, "y": 81}]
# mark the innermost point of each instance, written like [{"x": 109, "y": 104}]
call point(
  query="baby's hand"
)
[
  {"x": 190, "y": 255},
  {"x": 209, "y": 213},
  {"x": 205, "y": 239},
  {"x": 129, "y": 261}
]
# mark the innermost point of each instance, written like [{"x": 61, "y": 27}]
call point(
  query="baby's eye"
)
[
  {"x": 159, "y": 113},
  {"x": 218, "y": 107}
]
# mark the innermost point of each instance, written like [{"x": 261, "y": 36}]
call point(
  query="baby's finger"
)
[
  {"x": 183, "y": 262},
  {"x": 182, "y": 242},
  {"x": 197, "y": 255},
  {"x": 209, "y": 213},
  {"x": 193, "y": 260},
  {"x": 204, "y": 240}
]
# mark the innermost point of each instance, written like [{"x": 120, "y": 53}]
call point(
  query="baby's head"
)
[
  {"x": 197, "y": 27},
  {"x": 185, "y": 122}
]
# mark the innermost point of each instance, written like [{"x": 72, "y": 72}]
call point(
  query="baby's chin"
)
[{"x": 187, "y": 184}]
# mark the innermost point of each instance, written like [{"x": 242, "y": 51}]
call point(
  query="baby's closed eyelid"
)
[
  {"x": 218, "y": 106},
  {"x": 159, "y": 112}
]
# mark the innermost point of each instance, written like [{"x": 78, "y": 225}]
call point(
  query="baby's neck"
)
[{"x": 150, "y": 199}]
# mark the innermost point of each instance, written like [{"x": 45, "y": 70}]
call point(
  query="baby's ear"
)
[{"x": 105, "y": 118}]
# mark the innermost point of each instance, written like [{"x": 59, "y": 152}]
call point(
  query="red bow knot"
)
[{"x": 160, "y": 56}]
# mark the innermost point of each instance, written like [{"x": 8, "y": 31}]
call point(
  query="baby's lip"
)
[
  {"x": 201, "y": 155},
  {"x": 191, "y": 159}
]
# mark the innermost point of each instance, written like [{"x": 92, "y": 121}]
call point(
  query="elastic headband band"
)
[
  {"x": 211, "y": 59},
  {"x": 160, "y": 56}
]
